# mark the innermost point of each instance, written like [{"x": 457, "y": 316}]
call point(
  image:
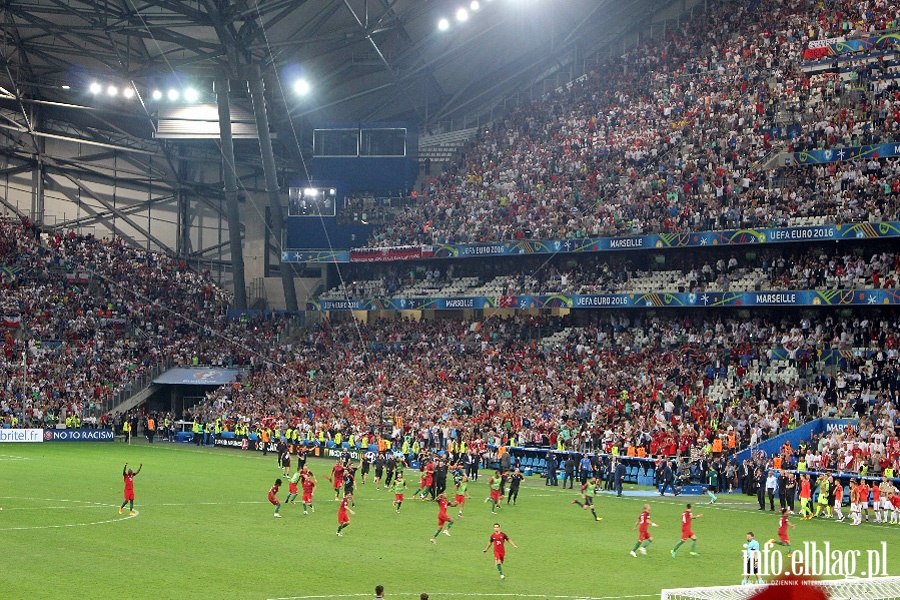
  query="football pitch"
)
[{"x": 204, "y": 529}]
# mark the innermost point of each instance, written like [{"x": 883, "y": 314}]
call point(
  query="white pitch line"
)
[
  {"x": 474, "y": 595},
  {"x": 65, "y": 525}
]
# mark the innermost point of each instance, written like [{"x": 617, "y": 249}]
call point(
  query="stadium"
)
[{"x": 613, "y": 285}]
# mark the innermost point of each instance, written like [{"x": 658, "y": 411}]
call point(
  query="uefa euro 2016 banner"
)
[
  {"x": 659, "y": 300},
  {"x": 873, "y": 151},
  {"x": 79, "y": 435},
  {"x": 864, "y": 44},
  {"x": 734, "y": 237},
  {"x": 840, "y": 45}
]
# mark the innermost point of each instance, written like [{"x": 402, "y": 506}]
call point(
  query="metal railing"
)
[{"x": 135, "y": 386}]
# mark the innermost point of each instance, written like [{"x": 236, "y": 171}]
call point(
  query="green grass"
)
[{"x": 205, "y": 530}]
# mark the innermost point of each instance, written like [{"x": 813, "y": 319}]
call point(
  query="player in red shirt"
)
[
  {"x": 838, "y": 500},
  {"x": 805, "y": 498},
  {"x": 443, "y": 517},
  {"x": 644, "y": 536},
  {"x": 273, "y": 493},
  {"x": 863, "y": 490},
  {"x": 426, "y": 486},
  {"x": 783, "y": 525},
  {"x": 686, "y": 534},
  {"x": 498, "y": 539},
  {"x": 337, "y": 479},
  {"x": 309, "y": 485},
  {"x": 876, "y": 502},
  {"x": 894, "y": 499},
  {"x": 343, "y": 517},
  {"x": 128, "y": 475}
]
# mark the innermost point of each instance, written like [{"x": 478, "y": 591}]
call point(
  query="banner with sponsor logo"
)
[
  {"x": 869, "y": 151},
  {"x": 315, "y": 256},
  {"x": 79, "y": 435},
  {"x": 21, "y": 435},
  {"x": 732, "y": 237},
  {"x": 391, "y": 253},
  {"x": 650, "y": 299},
  {"x": 824, "y": 43},
  {"x": 836, "y": 46}
]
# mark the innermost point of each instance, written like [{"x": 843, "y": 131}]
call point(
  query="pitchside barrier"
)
[
  {"x": 56, "y": 435},
  {"x": 874, "y": 588}
]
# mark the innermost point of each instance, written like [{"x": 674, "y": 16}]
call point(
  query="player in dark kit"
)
[
  {"x": 365, "y": 462},
  {"x": 498, "y": 539},
  {"x": 128, "y": 475},
  {"x": 379, "y": 470},
  {"x": 350, "y": 482},
  {"x": 514, "y": 481}
]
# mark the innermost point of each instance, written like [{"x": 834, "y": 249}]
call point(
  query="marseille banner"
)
[
  {"x": 645, "y": 242},
  {"x": 659, "y": 300},
  {"x": 876, "y": 151}
]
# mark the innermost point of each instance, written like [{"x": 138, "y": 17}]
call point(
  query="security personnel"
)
[{"x": 126, "y": 429}]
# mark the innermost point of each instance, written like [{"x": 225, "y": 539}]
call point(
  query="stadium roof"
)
[{"x": 366, "y": 60}]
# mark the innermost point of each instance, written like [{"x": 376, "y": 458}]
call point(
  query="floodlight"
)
[
  {"x": 462, "y": 15},
  {"x": 475, "y": 5},
  {"x": 128, "y": 92},
  {"x": 172, "y": 95},
  {"x": 443, "y": 24},
  {"x": 191, "y": 95},
  {"x": 112, "y": 90},
  {"x": 301, "y": 87},
  {"x": 157, "y": 95},
  {"x": 95, "y": 88}
]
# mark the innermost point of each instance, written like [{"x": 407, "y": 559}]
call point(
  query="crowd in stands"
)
[
  {"x": 666, "y": 139},
  {"x": 763, "y": 269},
  {"x": 84, "y": 318},
  {"x": 658, "y": 387},
  {"x": 646, "y": 386}
]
